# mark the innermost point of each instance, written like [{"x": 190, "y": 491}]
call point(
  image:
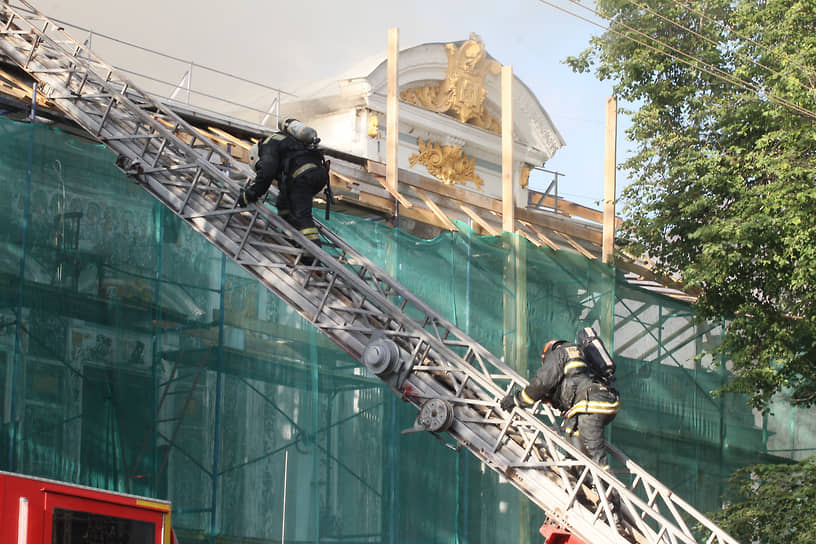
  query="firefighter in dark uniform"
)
[
  {"x": 582, "y": 388},
  {"x": 300, "y": 169},
  {"x": 585, "y": 400}
]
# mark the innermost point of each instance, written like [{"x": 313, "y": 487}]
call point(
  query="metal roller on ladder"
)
[{"x": 454, "y": 382}]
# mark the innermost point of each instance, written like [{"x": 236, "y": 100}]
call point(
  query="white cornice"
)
[{"x": 476, "y": 140}]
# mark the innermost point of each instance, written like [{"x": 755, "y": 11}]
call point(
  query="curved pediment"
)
[
  {"x": 461, "y": 80},
  {"x": 449, "y": 117}
]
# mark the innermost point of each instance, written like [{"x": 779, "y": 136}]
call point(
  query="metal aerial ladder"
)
[{"x": 455, "y": 383}]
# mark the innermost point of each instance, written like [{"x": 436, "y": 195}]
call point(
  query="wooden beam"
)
[
  {"x": 384, "y": 182},
  {"x": 452, "y": 192},
  {"x": 508, "y": 205},
  {"x": 432, "y": 205},
  {"x": 571, "y": 209},
  {"x": 347, "y": 181},
  {"x": 532, "y": 238},
  {"x": 392, "y": 112},
  {"x": 578, "y": 247},
  {"x": 479, "y": 221},
  {"x": 543, "y": 237},
  {"x": 557, "y": 223},
  {"x": 385, "y": 205},
  {"x": 610, "y": 163},
  {"x": 232, "y": 139}
]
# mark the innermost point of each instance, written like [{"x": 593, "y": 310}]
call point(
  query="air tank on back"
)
[
  {"x": 596, "y": 354},
  {"x": 299, "y": 131}
]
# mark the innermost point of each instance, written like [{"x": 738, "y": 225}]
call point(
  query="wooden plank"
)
[
  {"x": 349, "y": 183},
  {"x": 540, "y": 219},
  {"x": 479, "y": 221},
  {"x": 561, "y": 224},
  {"x": 386, "y": 205},
  {"x": 543, "y": 237},
  {"x": 432, "y": 205},
  {"x": 571, "y": 209},
  {"x": 508, "y": 204},
  {"x": 392, "y": 112},
  {"x": 384, "y": 182},
  {"x": 610, "y": 164},
  {"x": 578, "y": 247},
  {"x": 229, "y": 137},
  {"x": 431, "y": 185},
  {"x": 532, "y": 238}
]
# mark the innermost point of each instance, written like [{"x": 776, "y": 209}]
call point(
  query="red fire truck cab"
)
[{"x": 39, "y": 511}]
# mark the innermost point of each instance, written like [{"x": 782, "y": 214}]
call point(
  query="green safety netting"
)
[{"x": 135, "y": 357}]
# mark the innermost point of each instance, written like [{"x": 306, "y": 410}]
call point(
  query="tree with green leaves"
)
[
  {"x": 723, "y": 190},
  {"x": 772, "y": 503},
  {"x": 723, "y": 196}
]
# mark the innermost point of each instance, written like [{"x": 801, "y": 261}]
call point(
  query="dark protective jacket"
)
[
  {"x": 282, "y": 157},
  {"x": 271, "y": 154},
  {"x": 563, "y": 379}
]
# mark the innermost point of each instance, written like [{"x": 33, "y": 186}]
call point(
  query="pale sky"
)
[{"x": 284, "y": 43}]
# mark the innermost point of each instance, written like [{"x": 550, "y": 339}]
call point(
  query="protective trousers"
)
[
  {"x": 295, "y": 200},
  {"x": 585, "y": 423},
  {"x": 586, "y": 420}
]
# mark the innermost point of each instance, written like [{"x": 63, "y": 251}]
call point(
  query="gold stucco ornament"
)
[
  {"x": 462, "y": 94},
  {"x": 447, "y": 163}
]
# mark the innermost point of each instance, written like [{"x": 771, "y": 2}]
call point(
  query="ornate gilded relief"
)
[
  {"x": 373, "y": 125},
  {"x": 448, "y": 163},
  {"x": 463, "y": 93}
]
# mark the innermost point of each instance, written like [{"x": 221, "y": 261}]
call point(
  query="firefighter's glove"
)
[
  {"x": 517, "y": 398},
  {"x": 246, "y": 197},
  {"x": 508, "y": 402}
]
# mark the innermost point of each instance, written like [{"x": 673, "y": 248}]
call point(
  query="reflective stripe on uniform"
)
[
  {"x": 526, "y": 398},
  {"x": 303, "y": 168},
  {"x": 593, "y": 407},
  {"x": 277, "y": 137},
  {"x": 310, "y": 233},
  {"x": 573, "y": 365}
]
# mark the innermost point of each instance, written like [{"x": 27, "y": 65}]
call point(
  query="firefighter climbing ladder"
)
[{"x": 454, "y": 382}]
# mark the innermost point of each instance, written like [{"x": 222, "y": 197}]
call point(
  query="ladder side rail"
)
[
  {"x": 92, "y": 125},
  {"x": 657, "y": 486},
  {"x": 285, "y": 285}
]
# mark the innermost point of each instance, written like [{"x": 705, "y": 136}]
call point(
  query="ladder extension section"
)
[{"x": 453, "y": 381}]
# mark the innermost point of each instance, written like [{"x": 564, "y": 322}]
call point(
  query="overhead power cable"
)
[
  {"x": 700, "y": 65},
  {"x": 703, "y": 66},
  {"x": 808, "y": 70},
  {"x": 709, "y": 40}
]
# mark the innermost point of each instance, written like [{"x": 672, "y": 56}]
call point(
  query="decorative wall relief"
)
[
  {"x": 462, "y": 94},
  {"x": 447, "y": 163}
]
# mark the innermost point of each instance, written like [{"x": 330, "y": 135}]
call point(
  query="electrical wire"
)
[
  {"x": 729, "y": 28},
  {"x": 716, "y": 43},
  {"x": 703, "y": 67}
]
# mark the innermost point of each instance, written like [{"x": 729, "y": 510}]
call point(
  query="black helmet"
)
[
  {"x": 549, "y": 346},
  {"x": 284, "y": 123}
]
